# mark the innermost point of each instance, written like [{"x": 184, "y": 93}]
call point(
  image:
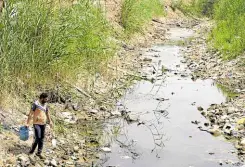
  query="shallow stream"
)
[{"x": 166, "y": 133}]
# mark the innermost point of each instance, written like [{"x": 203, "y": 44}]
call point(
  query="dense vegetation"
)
[
  {"x": 195, "y": 7},
  {"x": 229, "y": 34},
  {"x": 136, "y": 13},
  {"x": 44, "y": 42}
]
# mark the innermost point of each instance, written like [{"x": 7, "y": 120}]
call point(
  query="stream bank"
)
[{"x": 205, "y": 62}]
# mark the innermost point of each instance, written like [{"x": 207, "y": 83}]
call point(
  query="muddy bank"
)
[{"x": 227, "y": 118}]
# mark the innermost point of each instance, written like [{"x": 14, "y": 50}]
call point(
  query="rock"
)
[
  {"x": 66, "y": 115},
  {"x": 125, "y": 157},
  {"x": 206, "y": 124},
  {"x": 69, "y": 163},
  {"x": 183, "y": 61},
  {"x": 228, "y": 126},
  {"x": 194, "y": 103},
  {"x": 153, "y": 50},
  {"x": 161, "y": 99},
  {"x": 10, "y": 161},
  {"x": 140, "y": 123},
  {"x": 53, "y": 163},
  {"x": 243, "y": 142},
  {"x": 23, "y": 157},
  {"x": 224, "y": 117},
  {"x": 239, "y": 147},
  {"x": 106, "y": 149},
  {"x": 195, "y": 122},
  {"x": 200, "y": 108},
  {"x": 241, "y": 121},
  {"x": 215, "y": 131},
  {"x": 65, "y": 157},
  {"x": 46, "y": 162},
  {"x": 228, "y": 132},
  {"x": 147, "y": 59},
  {"x": 204, "y": 113},
  {"x": 212, "y": 120},
  {"x": 24, "y": 160},
  {"x": 93, "y": 111},
  {"x": 115, "y": 113},
  {"x": 232, "y": 110},
  {"x": 132, "y": 117},
  {"x": 184, "y": 75},
  {"x": 75, "y": 107},
  {"x": 220, "y": 163},
  {"x": 103, "y": 108},
  {"x": 74, "y": 158},
  {"x": 76, "y": 149}
]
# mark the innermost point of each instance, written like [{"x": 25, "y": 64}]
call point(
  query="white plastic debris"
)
[
  {"x": 106, "y": 149},
  {"x": 54, "y": 143}
]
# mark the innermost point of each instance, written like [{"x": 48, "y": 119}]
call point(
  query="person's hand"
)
[{"x": 27, "y": 125}]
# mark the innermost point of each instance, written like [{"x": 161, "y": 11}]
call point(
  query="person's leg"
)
[
  {"x": 37, "y": 136},
  {"x": 41, "y": 141}
]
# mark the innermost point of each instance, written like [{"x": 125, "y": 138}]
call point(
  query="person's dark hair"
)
[{"x": 43, "y": 96}]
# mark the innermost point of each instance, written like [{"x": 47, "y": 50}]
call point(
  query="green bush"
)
[
  {"x": 135, "y": 13},
  {"x": 229, "y": 33},
  {"x": 42, "y": 43},
  {"x": 195, "y": 7}
]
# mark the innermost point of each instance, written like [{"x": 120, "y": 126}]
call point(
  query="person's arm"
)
[
  {"x": 29, "y": 118},
  {"x": 49, "y": 119},
  {"x": 30, "y": 115}
]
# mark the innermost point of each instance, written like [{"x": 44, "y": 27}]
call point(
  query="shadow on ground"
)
[{"x": 18, "y": 149}]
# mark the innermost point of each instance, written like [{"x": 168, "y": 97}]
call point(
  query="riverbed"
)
[{"x": 166, "y": 105}]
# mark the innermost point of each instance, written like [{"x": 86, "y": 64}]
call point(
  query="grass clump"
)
[
  {"x": 42, "y": 43},
  {"x": 229, "y": 34},
  {"x": 227, "y": 91},
  {"x": 135, "y": 13}
]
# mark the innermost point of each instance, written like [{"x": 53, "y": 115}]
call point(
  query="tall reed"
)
[
  {"x": 42, "y": 43},
  {"x": 136, "y": 13}
]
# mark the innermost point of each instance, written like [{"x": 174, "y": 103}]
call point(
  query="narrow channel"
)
[{"x": 167, "y": 132}]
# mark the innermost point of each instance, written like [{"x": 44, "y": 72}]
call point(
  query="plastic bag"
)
[{"x": 24, "y": 133}]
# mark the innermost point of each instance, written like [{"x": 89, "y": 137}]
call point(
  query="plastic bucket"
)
[{"x": 24, "y": 133}]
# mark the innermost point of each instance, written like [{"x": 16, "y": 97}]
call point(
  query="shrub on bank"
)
[
  {"x": 195, "y": 7},
  {"x": 229, "y": 33},
  {"x": 135, "y": 13},
  {"x": 228, "y": 36}
]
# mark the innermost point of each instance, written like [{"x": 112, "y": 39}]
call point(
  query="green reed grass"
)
[
  {"x": 42, "y": 44},
  {"x": 135, "y": 13},
  {"x": 229, "y": 34}
]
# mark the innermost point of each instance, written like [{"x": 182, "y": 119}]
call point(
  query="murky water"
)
[{"x": 166, "y": 108}]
